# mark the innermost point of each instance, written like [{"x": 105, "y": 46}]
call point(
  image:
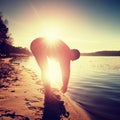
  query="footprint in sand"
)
[
  {"x": 32, "y": 107},
  {"x": 38, "y": 82},
  {"x": 2, "y": 97},
  {"x": 6, "y": 114}
]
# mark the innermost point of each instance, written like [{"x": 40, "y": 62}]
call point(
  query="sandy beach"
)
[{"x": 22, "y": 97}]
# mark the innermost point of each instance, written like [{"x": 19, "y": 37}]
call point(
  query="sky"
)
[{"x": 88, "y": 25}]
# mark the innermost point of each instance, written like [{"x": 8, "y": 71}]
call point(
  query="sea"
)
[{"x": 94, "y": 85}]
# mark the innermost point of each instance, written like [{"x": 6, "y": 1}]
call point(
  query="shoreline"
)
[{"x": 22, "y": 97}]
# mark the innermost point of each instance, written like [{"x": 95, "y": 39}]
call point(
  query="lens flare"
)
[
  {"x": 54, "y": 74},
  {"x": 51, "y": 33}
]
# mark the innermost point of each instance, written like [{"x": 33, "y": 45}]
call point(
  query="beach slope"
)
[{"x": 22, "y": 97}]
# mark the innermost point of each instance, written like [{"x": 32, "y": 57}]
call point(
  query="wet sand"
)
[{"x": 22, "y": 97}]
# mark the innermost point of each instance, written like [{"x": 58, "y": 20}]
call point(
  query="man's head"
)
[{"x": 75, "y": 54}]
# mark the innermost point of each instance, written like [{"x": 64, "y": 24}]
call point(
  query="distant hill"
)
[{"x": 102, "y": 53}]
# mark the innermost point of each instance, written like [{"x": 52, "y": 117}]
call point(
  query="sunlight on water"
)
[
  {"x": 53, "y": 74},
  {"x": 94, "y": 84},
  {"x": 91, "y": 65},
  {"x": 32, "y": 65}
]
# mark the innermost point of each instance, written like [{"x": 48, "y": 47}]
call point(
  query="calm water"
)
[{"x": 94, "y": 85}]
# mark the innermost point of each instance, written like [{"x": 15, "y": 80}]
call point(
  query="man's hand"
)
[{"x": 64, "y": 89}]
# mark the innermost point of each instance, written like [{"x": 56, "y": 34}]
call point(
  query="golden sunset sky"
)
[{"x": 88, "y": 26}]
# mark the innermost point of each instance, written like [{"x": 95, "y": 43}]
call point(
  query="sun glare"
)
[
  {"x": 51, "y": 33},
  {"x": 54, "y": 73}
]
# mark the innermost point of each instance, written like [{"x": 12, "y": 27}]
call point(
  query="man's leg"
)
[{"x": 39, "y": 52}]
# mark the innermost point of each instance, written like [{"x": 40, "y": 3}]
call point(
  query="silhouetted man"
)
[{"x": 43, "y": 49}]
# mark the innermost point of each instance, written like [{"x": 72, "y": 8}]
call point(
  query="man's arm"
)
[{"x": 65, "y": 69}]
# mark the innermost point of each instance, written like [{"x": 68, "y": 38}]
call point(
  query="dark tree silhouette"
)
[
  {"x": 5, "y": 40},
  {"x": 6, "y": 47}
]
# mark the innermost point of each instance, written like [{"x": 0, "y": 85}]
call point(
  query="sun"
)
[
  {"x": 54, "y": 73},
  {"x": 51, "y": 33}
]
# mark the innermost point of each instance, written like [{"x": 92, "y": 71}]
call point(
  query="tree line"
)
[{"x": 6, "y": 41}]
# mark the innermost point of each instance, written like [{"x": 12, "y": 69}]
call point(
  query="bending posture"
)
[{"x": 42, "y": 48}]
